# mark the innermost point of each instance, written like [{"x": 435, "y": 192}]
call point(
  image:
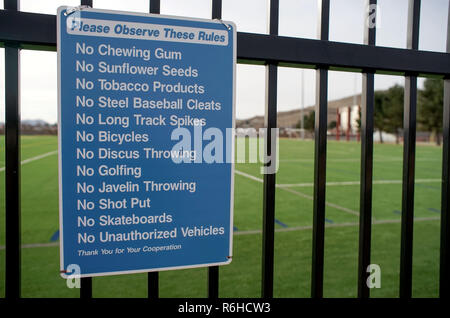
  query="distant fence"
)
[{"x": 21, "y": 30}]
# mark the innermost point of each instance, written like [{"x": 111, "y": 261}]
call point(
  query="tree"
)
[
  {"x": 430, "y": 103},
  {"x": 390, "y": 111},
  {"x": 379, "y": 120},
  {"x": 308, "y": 121}
]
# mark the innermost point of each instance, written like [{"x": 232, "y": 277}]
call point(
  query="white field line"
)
[
  {"x": 250, "y": 232},
  {"x": 358, "y": 160},
  {"x": 298, "y": 193},
  {"x": 350, "y": 183},
  {"x": 33, "y": 245},
  {"x": 338, "y": 207},
  {"x": 348, "y": 224},
  {"x": 34, "y": 158},
  {"x": 249, "y": 176}
]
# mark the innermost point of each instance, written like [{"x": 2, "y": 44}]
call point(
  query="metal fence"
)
[{"x": 21, "y": 30}]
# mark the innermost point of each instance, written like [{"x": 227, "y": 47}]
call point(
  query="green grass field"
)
[{"x": 242, "y": 278}]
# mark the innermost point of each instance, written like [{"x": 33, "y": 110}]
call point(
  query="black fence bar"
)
[
  {"x": 269, "y": 186},
  {"x": 86, "y": 3},
  {"x": 213, "y": 271},
  {"x": 12, "y": 176},
  {"x": 155, "y": 6},
  {"x": 153, "y": 285},
  {"x": 367, "y": 120},
  {"x": 12, "y": 164},
  {"x": 409, "y": 152},
  {"x": 407, "y": 223},
  {"x": 320, "y": 148},
  {"x": 444, "y": 277},
  {"x": 153, "y": 277},
  {"x": 268, "y": 235},
  {"x": 320, "y": 158},
  {"x": 216, "y": 9},
  {"x": 213, "y": 282},
  {"x": 86, "y": 283},
  {"x": 365, "y": 217},
  {"x": 86, "y": 288}
]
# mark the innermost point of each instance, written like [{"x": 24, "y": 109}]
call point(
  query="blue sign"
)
[{"x": 146, "y": 141}]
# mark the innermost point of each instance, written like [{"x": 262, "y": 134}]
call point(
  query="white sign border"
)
[{"x": 231, "y": 230}]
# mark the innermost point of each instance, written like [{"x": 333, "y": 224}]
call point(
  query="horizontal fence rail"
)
[
  {"x": 38, "y": 31},
  {"x": 23, "y": 30}
]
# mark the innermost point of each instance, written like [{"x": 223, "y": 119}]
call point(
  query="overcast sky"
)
[{"x": 298, "y": 18}]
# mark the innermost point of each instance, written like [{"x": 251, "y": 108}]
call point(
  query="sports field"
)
[{"x": 242, "y": 278}]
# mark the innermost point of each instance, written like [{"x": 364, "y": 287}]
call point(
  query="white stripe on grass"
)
[
  {"x": 34, "y": 158},
  {"x": 350, "y": 183},
  {"x": 358, "y": 160},
  {"x": 33, "y": 245},
  {"x": 298, "y": 193},
  {"x": 347, "y": 224}
]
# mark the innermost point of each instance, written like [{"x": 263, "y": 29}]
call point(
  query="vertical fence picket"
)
[
  {"x": 86, "y": 288},
  {"x": 86, "y": 283},
  {"x": 153, "y": 277},
  {"x": 444, "y": 277},
  {"x": 213, "y": 271},
  {"x": 216, "y": 9},
  {"x": 268, "y": 235},
  {"x": 365, "y": 210},
  {"x": 12, "y": 166},
  {"x": 155, "y": 6},
  {"x": 320, "y": 157},
  {"x": 444, "y": 281},
  {"x": 213, "y": 282},
  {"x": 409, "y": 153}
]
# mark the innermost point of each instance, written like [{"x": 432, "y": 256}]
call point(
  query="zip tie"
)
[
  {"x": 71, "y": 10},
  {"x": 226, "y": 25}
]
